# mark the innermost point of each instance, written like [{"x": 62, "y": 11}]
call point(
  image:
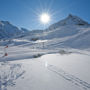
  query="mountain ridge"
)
[
  {"x": 8, "y": 30},
  {"x": 69, "y": 20},
  {"x": 75, "y": 33}
]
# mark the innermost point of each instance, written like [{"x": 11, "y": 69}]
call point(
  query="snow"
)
[
  {"x": 69, "y": 20},
  {"x": 70, "y": 64},
  {"x": 72, "y": 32},
  {"x": 48, "y": 72},
  {"x": 68, "y": 35},
  {"x": 53, "y": 69},
  {"x": 7, "y": 30},
  {"x": 57, "y": 58}
]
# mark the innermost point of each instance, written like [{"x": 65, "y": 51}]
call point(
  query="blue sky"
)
[{"x": 24, "y": 13}]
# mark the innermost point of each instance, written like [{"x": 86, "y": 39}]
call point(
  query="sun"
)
[{"x": 45, "y": 18}]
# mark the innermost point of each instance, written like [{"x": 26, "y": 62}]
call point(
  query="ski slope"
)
[
  {"x": 48, "y": 72},
  {"x": 57, "y": 58},
  {"x": 30, "y": 66}
]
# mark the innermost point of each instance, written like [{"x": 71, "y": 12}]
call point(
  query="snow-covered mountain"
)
[
  {"x": 71, "y": 25},
  {"x": 53, "y": 67},
  {"x": 71, "y": 32},
  {"x": 7, "y": 30},
  {"x": 70, "y": 20}
]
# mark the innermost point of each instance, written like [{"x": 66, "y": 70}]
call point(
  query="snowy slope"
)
[
  {"x": 73, "y": 37},
  {"x": 70, "y": 26},
  {"x": 72, "y": 32},
  {"x": 50, "y": 63},
  {"x": 49, "y": 72},
  {"x": 70, "y": 20}
]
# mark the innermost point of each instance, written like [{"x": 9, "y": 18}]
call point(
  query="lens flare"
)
[{"x": 45, "y": 18}]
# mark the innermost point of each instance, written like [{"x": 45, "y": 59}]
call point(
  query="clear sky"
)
[{"x": 24, "y": 13}]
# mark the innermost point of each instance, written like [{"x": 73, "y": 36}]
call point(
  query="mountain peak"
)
[
  {"x": 8, "y": 30},
  {"x": 69, "y": 20},
  {"x": 5, "y": 22},
  {"x": 75, "y": 20},
  {"x": 70, "y": 15}
]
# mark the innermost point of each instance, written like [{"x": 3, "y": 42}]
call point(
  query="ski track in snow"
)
[{"x": 78, "y": 82}]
